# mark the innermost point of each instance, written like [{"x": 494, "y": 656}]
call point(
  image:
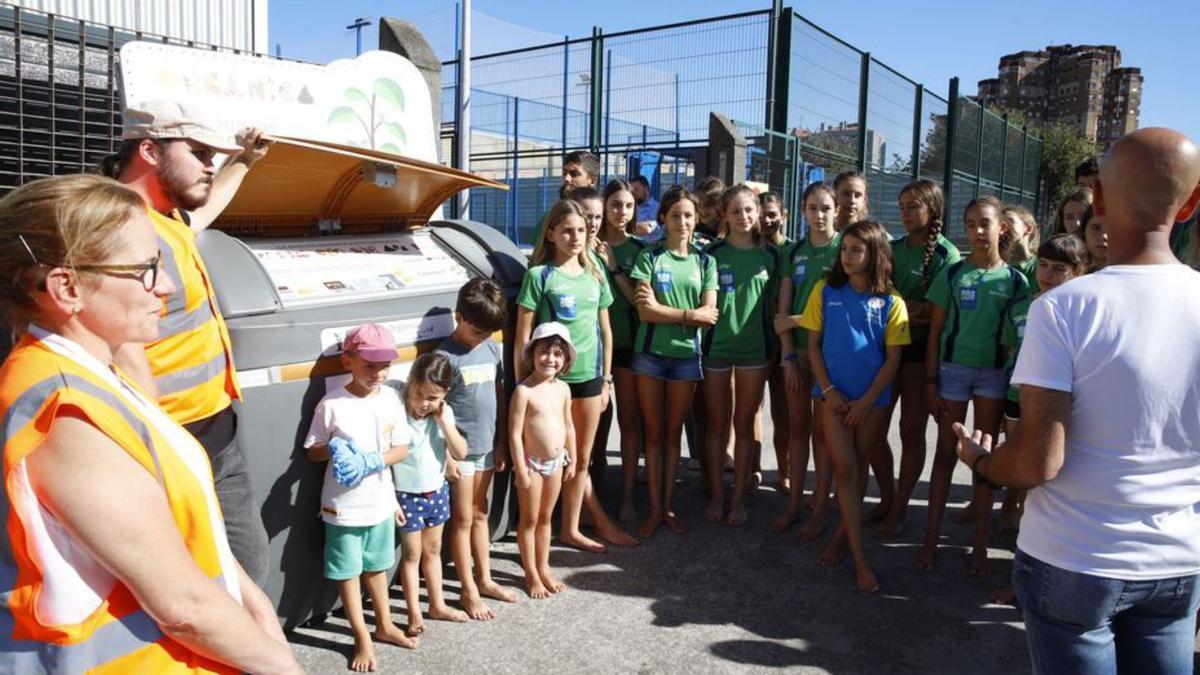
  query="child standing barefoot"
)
[
  {"x": 857, "y": 326},
  {"x": 476, "y": 397},
  {"x": 542, "y": 438},
  {"x": 421, "y": 487},
  {"x": 361, "y": 427}
]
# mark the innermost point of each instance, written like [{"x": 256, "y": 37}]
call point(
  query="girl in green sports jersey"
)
[
  {"x": 774, "y": 222},
  {"x": 1020, "y": 229},
  {"x": 920, "y": 256},
  {"x": 850, "y": 191},
  {"x": 617, "y": 251},
  {"x": 676, "y": 297},
  {"x": 565, "y": 285},
  {"x": 735, "y": 349},
  {"x": 801, "y": 267},
  {"x": 964, "y": 364}
]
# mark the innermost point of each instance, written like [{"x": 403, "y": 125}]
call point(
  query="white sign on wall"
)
[{"x": 378, "y": 100}]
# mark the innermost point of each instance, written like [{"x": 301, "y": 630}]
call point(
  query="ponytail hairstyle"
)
[
  {"x": 674, "y": 195},
  {"x": 544, "y": 252},
  {"x": 814, "y": 188},
  {"x": 930, "y": 195},
  {"x": 1081, "y": 195},
  {"x": 756, "y": 233},
  {"x": 879, "y": 254},
  {"x": 614, "y": 186},
  {"x": 429, "y": 368},
  {"x": 114, "y": 165}
]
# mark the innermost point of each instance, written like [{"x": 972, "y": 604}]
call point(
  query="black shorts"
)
[
  {"x": 1012, "y": 409},
  {"x": 587, "y": 389},
  {"x": 913, "y": 353},
  {"x": 622, "y": 358}
]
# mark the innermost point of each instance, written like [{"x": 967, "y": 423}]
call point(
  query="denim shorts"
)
[
  {"x": 668, "y": 368},
  {"x": 723, "y": 365},
  {"x": 474, "y": 464},
  {"x": 961, "y": 383}
]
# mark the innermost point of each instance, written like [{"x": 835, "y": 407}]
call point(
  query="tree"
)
[{"x": 1063, "y": 149}]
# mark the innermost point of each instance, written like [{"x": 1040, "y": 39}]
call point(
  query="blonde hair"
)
[
  {"x": 62, "y": 221},
  {"x": 544, "y": 251},
  {"x": 1081, "y": 195}
]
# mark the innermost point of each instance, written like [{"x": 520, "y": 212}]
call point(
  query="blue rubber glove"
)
[{"x": 351, "y": 465}]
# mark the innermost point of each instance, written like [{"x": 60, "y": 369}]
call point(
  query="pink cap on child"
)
[{"x": 372, "y": 342}]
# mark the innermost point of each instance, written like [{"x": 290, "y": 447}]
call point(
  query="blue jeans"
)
[{"x": 1079, "y": 623}]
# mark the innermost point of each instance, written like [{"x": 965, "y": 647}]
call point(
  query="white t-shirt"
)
[
  {"x": 375, "y": 423},
  {"x": 424, "y": 470},
  {"x": 1125, "y": 341}
]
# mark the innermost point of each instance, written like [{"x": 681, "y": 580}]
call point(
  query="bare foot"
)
[
  {"x": 650, "y": 525},
  {"x": 677, "y": 526},
  {"x": 737, "y": 516},
  {"x": 785, "y": 486},
  {"x": 833, "y": 553},
  {"x": 446, "y": 613},
  {"x": 628, "y": 513},
  {"x": 755, "y": 479},
  {"x": 392, "y": 634},
  {"x": 416, "y": 625},
  {"x": 476, "y": 609},
  {"x": 535, "y": 589},
  {"x": 979, "y": 561},
  {"x": 615, "y": 535},
  {"x": 926, "y": 556},
  {"x": 493, "y": 590},
  {"x": 715, "y": 511},
  {"x": 808, "y": 503},
  {"x": 553, "y": 585},
  {"x": 1004, "y": 596},
  {"x": 577, "y": 540},
  {"x": 865, "y": 579},
  {"x": 783, "y": 521},
  {"x": 816, "y": 523},
  {"x": 964, "y": 515},
  {"x": 891, "y": 526},
  {"x": 363, "y": 660},
  {"x": 877, "y": 513},
  {"x": 1009, "y": 522}
]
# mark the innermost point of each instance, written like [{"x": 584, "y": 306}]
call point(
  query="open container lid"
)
[{"x": 304, "y": 187}]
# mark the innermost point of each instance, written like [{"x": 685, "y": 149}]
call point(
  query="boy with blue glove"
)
[{"x": 361, "y": 429}]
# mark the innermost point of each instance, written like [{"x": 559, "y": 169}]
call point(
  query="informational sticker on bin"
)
[
  {"x": 406, "y": 331},
  {"x": 314, "y": 271}
]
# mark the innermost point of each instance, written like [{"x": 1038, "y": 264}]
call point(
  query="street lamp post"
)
[{"x": 359, "y": 24}]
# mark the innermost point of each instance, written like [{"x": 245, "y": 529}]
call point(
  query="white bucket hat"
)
[{"x": 550, "y": 329}]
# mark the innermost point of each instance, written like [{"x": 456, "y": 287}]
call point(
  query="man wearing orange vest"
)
[{"x": 166, "y": 155}]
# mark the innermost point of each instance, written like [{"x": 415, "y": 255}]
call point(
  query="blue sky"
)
[{"x": 929, "y": 41}]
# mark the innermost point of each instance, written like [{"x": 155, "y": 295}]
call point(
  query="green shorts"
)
[{"x": 351, "y": 550}]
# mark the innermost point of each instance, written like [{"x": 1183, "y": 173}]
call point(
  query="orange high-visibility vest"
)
[
  {"x": 192, "y": 360},
  {"x": 60, "y": 610}
]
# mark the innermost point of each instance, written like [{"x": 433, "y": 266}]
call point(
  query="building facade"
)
[{"x": 1082, "y": 86}]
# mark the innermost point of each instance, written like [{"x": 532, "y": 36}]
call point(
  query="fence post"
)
[
  {"x": 1004, "y": 156},
  {"x": 566, "y": 87},
  {"x": 516, "y": 165},
  {"x": 1024, "y": 159},
  {"x": 951, "y": 141},
  {"x": 864, "y": 81},
  {"x": 596, "y": 102},
  {"x": 918, "y": 114},
  {"x": 979, "y": 154},
  {"x": 772, "y": 62}
]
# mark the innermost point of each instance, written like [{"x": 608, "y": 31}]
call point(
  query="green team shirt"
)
[
  {"x": 679, "y": 282},
  {"x": 976, "y": 301},
  {"x": 1028, "y": 267},
  {"x": 745, "y": 292},
  {"x": 1011, "y": 337},
  {"x": 806, "y": 264},
  {"x": 910, "y": 277},
  {"x": 622, "y": 315},
  {"x": 575, "y": 302}
]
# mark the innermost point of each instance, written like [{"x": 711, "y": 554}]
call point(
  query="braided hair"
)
[{"x": 930, "y": 195}]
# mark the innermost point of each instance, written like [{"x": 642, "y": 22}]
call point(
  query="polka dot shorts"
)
[{"x": 423, "y": 510}]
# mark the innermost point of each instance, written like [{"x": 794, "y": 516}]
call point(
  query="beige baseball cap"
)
[{"x": 169, "y": 119}]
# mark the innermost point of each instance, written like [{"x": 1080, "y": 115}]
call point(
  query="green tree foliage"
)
[{"x": 1063, "y": 149}]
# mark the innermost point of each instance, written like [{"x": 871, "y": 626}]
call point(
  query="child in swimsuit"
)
[{"x": 542, "y": 442}]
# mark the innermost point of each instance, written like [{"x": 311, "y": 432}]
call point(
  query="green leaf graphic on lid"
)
[
  {"x": 353, "y": 94},
  {"x": 389, "y": 91},
  {"x": 342, "y": 114},
  {"x": 397, "y": 132},
  {"x": 390, "y": 147}
]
